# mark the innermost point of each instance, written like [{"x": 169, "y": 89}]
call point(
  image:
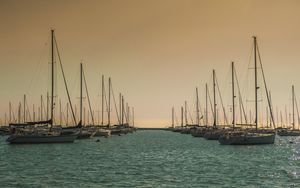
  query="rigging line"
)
[
  {"x": 240, "y": 96},
  {"x": 65, "y": 82},
  {"x": 246, "y": 81},
  {"x": 266, "y": 88},
  {"x": 223, "y": 108},
  {"x": 88, "y": 97},
  {"x": 38, "y": 68},
  {"x": 63, "y": 114},
  {"x": 113, "y": 94}
]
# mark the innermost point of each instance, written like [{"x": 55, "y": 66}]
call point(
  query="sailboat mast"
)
[
  {"x": 19, "y": 113},
  {"x": 109, "y": 90},
  {"x": 132, "y": 117},
  {"x": 122, "y": 120},
  {"x": 47, "y": 108},
  {"x": 256, "y": 87},
  {"x": 80, "y": 121},
  {"x": 52, "y": 76},
  {"x": 181, "y": 116},
  {"x": 9, "y": 112},
  {"x": 206, "y": 104},
  {"x": 293, "y": 104},
  {"x": 102, "y": 101},
  {"x": 60, "y": 113},
  {"x": 173, "y": 116},
  {"x": 41, "y": 107},
  {"x": 215, "y": 105},
  {"x": 233, "y": 96},
  {"x": 120, "y": 106},
  {"x": 197, "y": 106},
  {"x": 185, "y": 113},
  {"x": 24, "y": 108}
]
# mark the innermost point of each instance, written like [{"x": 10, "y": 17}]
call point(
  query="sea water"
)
[{"x": 150, "y": 158}]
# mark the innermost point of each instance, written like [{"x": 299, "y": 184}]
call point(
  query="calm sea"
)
[{"x": 150, "y": 159}]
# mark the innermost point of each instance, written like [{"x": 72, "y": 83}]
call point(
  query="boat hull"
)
[
  {"x": 288, "y": 133},
  {"x": 213, "y": 134},
  {"x": 40, "y": 139},
  {"x": 102, "y": 132},
  {"x": 247, "y": 139}
]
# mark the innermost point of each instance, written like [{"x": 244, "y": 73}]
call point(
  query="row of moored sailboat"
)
[
  {"x": 47, "y": 131},
  {"x": 236, "y": 133}
]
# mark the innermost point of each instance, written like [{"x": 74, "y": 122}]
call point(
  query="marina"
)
[{"x": 131, "y": 93}]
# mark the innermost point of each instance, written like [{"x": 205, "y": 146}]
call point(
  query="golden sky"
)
[{"x": 156, "y": 51}]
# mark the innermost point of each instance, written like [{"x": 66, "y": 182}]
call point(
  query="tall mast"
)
[
  {"x": 185, "y": 113},
  {"x": 47, "y": 110},
  {"x": 233, "y": 95},
  {"x": 206, "y": 104},
  {"x": 286, "y": 116},
  {"x": 256, "y": 87},
  {"x": 173, "y": 116},
  {"x": 52, "y": 76},
  {"x": 81, "y": 75},
  {"x": 24, "y": 108},
  {"x": 60, "y": 113},
  {"x": 9, "y": 112},
  {"x": 281, "y": 119},
  {"x": 215, "y": 105},
  {"x": 277, "y": 115},
  {"x": 132, "y": 117},
  {"x": 102, "y": 103},
  {"x": 293, "y": 98},
  {"x": 122, "y": 117},
  {"x": 41, "y": 108},
  {"x": 33, "y": 113},
  {"x": 181, "y": 116},
  {"x": 128, "y": 113},
  {"x": 120, "y": 105},
  {"x": 197, "y": 106},
  {"x": 19, "y": 113},
  {"x": 109, "y": 90},
  {"x": 271, "y": 105}
]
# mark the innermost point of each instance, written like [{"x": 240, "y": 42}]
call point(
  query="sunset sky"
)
[{"x": 155, "y": 51}]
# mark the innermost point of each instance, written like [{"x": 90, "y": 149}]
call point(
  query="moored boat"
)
[
  {"x": 46, "y": 135},
  {"x": 246, "y": 138},
  {"x": 249, "y": 136}
]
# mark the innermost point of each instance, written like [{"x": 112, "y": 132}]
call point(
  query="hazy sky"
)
[{"x": 156, "y": 51}]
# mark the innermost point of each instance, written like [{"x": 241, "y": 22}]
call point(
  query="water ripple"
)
[{"x": 150, "y": 159}]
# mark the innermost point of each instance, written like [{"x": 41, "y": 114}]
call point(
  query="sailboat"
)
[
  {"x": 293, "y": 131},
  {"x": 84, "y": 132},
  {"x": 250, "y": 137},
  {"x": 101, "y": 129},
  {"x": 201, "y": 130},
  {"x": 48, "y": 136},
  {"x": 214, "y": 132}
]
